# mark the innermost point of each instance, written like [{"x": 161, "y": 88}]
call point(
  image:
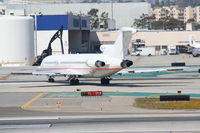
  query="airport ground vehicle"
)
[
  {"x": 172, "y": 50},
  {"x": 144, "y": 51},
  {"x": 195, "y": 45},
  {"x": 196, "y": 52}
]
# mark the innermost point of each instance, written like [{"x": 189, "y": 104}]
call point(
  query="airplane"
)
[
  {"x": 195, "y": 46},
  {"x": 102, "y": 65},
  {"x": 193, "y": 43}
]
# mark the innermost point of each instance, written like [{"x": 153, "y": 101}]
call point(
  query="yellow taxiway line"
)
[
  {"x": 25, "y": 106},
  {"x": 64, "y": 108}
]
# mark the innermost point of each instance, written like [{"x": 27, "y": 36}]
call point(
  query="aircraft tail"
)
[
  {"x": 191, "y": 41},
  {"x": 120, "y": 48}
]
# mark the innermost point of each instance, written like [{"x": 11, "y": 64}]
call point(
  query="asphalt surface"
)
[
  {"x": 19, "y": 95},
  {"x": 119, "y": 123},
  {"x": 98, "y": 119}
]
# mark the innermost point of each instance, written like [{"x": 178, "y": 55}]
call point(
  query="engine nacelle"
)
[
  {"x": 97, "y": 63},
  {"x": 126, "y": 63}
]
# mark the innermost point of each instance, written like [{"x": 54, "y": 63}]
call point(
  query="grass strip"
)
[{"x": 155, "y": 103}]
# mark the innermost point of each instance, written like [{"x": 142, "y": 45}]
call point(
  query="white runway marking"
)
[
  {"x": 24, "y": 126},
  {"x": 15, "y": 83}
]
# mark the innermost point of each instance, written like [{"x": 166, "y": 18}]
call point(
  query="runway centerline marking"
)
[
  {"x": 46, "y": 106},
  {"x": 69, "y": 111},
  {"x": 25, "y": 106}
]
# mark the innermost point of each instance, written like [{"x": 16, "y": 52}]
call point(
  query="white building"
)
[
  {"x": 189, "y": 13},
  {"x": 168, "y": 11},
  {"x": 198, "y": 14},
  {"x": 160, "y": 40}
]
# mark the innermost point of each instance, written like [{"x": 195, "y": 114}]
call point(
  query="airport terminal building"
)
[{"x": 159, "y": 41}]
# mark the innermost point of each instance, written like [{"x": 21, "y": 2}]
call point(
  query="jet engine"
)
[
  {"x": 97, "y": 63},
  {"x": 126, "y": 63}
]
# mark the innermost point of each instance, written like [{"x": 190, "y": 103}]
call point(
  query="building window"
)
[
  {"x": 164, "y": 47},
  {"x": 157, "y": 48},
  {"x": 76, "y": 23},
  {"x": 84, "y": 23}
]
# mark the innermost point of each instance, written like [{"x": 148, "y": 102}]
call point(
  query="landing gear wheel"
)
[
  {"x": 50, "y": 80},
  {"x": 195, "y": 55},
  {"x": 105, "y": 81},
  {"x": 74, "y": 82}
]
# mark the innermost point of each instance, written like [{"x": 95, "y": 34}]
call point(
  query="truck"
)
[
  {"x": 146, "y": 51},
  {"x": 172, "y": 50}
]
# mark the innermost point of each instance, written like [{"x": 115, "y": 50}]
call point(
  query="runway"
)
[
  {"x": 104, "y": 123},
  {"x": 188, "y": 83},
  {"x": 31, "y": 95},
  {"x": 30, "y": 102}
]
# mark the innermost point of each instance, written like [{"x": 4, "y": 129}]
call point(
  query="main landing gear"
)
[
  {"x": 51, "y": 79},
  {"x": 105, "y": 81},
  {"x": 74, "y": 81}
]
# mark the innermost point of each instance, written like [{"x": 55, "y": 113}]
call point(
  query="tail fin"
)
[
  {"x": 120, "y": 47},
  {"x": 191, "y": 41}
]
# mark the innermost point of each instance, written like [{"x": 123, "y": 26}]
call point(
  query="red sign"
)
[{"x": 92, "y": 93}]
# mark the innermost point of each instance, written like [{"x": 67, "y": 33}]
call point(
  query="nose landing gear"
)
[
  {"x": 74, "y": 81},
  {"x": 51, "y": 79}
]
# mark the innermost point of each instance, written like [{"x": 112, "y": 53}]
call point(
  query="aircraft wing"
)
[
  {"x": 51, "y": 72},
  {"x": 143, "y": 70},
  {"x": 23, "y": 72}
]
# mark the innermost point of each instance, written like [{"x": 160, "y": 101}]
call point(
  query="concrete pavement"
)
[{"x": 182, "y": 123}]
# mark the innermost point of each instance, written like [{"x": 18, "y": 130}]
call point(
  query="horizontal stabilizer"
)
[{"x": 146, "y": 70}]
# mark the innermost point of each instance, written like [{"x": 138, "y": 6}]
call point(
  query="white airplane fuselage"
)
[
  {"x": 193, "y": 43},
  {"x": 82, "y": 65}
]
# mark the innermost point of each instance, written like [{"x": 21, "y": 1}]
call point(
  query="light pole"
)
[
  {"x": 35, "y": 33},
  {"x": 112, "y": 9},
  {"x": 163, "y": 25}
]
